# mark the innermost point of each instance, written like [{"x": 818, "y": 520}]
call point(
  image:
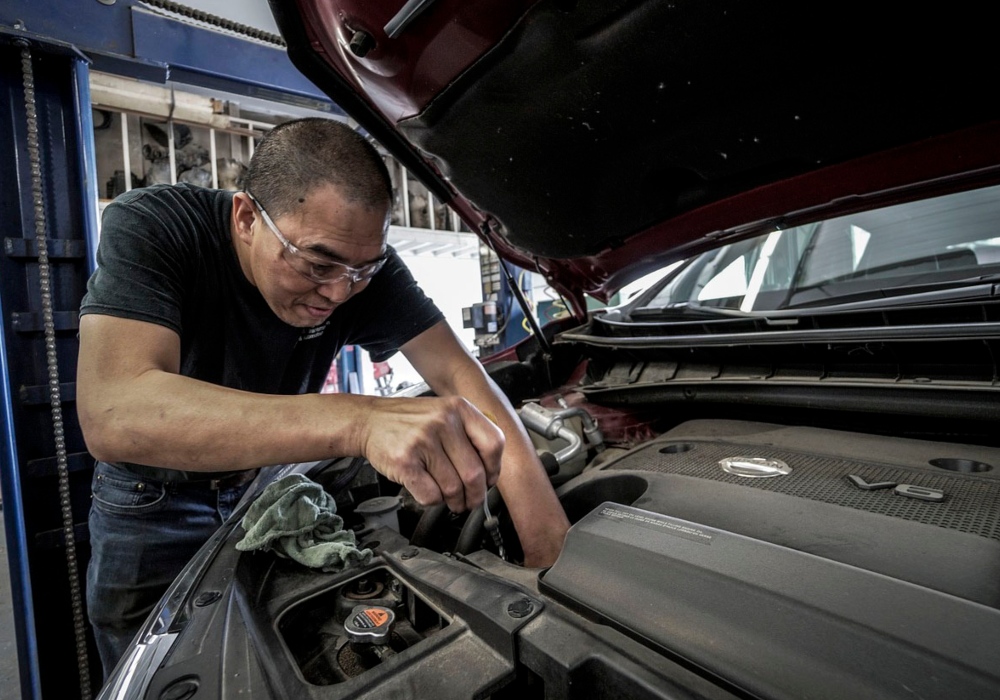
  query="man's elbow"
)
[
  {"x": 97, "y": 444},
  {"x": 99, "y": 434}
]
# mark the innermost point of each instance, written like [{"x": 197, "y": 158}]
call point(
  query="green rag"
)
[{"x": 297, "y": 519}]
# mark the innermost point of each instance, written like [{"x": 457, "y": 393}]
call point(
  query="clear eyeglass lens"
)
[
  {"x": 333, "y": 272},
  {"x": 322, "y": 273}
]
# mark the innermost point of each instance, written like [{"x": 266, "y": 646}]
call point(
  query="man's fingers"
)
[
  {"x": 488, "y": 441},
  {"x": 435, "y": 473},
  {"x": 423, "y": 488},
  {"x": 474, "y": 449},
  {"x": 445, "y": 473},
  {"x": 464, "y": 462},
  {"x": 469, "y": 460},
  {"x": 440, "y": 450}
]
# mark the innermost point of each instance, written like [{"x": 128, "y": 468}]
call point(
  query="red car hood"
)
[{"x": 594, "y": 141}]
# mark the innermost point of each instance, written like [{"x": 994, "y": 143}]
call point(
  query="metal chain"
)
[
  {"x": 52, "y": 362},
  {"x": 45, "y": 284},
  {"x": 216, "y": 21}
]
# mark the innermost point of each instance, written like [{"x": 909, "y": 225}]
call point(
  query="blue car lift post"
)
[{"x": 48, "y": 204}]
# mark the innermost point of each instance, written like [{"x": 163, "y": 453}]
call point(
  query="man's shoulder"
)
[
  {"x": 182, "y": 212},
  {"x": 172, "y": 195}
]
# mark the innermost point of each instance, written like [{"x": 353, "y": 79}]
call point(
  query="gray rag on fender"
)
[{"x": 297, "y": 519}]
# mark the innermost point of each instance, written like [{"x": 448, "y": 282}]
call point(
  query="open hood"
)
[{"x": 597, "y": 141}]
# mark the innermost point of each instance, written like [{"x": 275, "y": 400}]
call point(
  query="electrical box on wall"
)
[{"x": 482, "y": 318}]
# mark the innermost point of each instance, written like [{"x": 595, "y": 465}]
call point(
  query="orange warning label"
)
[{"x": 377, "y": 616}]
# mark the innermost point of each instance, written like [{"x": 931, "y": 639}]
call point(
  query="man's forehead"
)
[{"x": 323, "y": 191}]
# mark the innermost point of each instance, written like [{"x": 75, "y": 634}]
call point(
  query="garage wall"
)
[{"x": 453, "y": 283}]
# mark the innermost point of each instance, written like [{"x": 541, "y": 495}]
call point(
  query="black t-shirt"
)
[{"x": 166, "y": 256}]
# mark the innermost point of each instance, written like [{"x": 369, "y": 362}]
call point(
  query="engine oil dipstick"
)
[{"x": 492, "y": 523}]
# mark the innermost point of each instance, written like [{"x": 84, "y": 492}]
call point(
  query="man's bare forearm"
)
[
  {"x": 167, "y": 420},
  {"x": 135, "y": 406},
  {"x": 437, "y": 448}
]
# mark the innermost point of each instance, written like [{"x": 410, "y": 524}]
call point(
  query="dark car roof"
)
[{"x": 596, "y": 140}]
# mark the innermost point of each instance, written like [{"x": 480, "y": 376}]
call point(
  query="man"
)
[{"x": 205, "y": 335}]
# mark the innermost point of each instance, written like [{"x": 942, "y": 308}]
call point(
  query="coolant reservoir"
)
[{"x": 380, "y": 512}]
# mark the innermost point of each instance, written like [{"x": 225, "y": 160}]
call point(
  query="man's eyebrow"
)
[{"x": 322, "y": 250}]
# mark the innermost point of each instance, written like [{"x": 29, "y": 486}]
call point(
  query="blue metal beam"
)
[
  {"x": 64, "y": 37},
  {"x": 66, "y": 205},
  {"x": 86, "y": 159},
  {"x": 126, "y": 38},
  {"x": 22, "y": 601}
]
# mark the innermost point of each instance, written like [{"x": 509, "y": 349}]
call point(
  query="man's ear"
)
[{"x": 243, "y": 217}]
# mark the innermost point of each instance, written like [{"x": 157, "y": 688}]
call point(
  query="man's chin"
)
[
  {"x": 309, "y": 316},
  {"x": 302, "y": 315}
]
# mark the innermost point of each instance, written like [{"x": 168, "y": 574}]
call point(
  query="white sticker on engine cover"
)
[{"x": 660, "y": 523}]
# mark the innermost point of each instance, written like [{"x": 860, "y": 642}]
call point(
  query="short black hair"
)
[{"x": 299, "y": 155}]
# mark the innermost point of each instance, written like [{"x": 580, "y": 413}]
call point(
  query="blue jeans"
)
[{"x": 142, "y": 533}]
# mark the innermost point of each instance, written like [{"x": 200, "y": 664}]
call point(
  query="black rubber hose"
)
[
  {"x": 347, "y": 476},
  {"x": 550, "y": 463},
  {"x": 471, "y": 537},
  {"x": 429, "y": 521},
  {"x": 472, "y": 531}
]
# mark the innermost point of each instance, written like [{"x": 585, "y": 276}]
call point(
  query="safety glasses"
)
[{"x": 313, "y": 267}]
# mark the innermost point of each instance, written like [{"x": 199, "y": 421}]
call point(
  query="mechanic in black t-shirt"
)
[{"x": 205, "y": 335}]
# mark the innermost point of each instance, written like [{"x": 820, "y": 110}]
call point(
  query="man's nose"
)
[{"x": 337, "y": 289}]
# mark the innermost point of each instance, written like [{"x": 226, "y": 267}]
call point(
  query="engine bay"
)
[
  {"x": 717, "y": 558},
  {"x": 718, "y": 549}
]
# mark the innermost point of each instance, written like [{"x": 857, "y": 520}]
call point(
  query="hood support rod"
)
[{"x": 515, "y": 288}]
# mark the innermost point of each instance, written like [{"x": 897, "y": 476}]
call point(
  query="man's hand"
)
[
  {"x": 450, "y": 370},
  {"x": 439, "y": 449}
]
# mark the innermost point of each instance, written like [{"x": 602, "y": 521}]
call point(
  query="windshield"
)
[{"x": 875, "y": 253}]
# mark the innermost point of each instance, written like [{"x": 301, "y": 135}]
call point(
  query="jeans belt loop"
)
[{"x": 235, "y": 479}]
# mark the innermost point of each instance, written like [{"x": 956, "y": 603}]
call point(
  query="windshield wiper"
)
[
  {"x": 687, "y": 310},
  {"x": 972, "y": 288},
  {"x": 980, "y": 287}
]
